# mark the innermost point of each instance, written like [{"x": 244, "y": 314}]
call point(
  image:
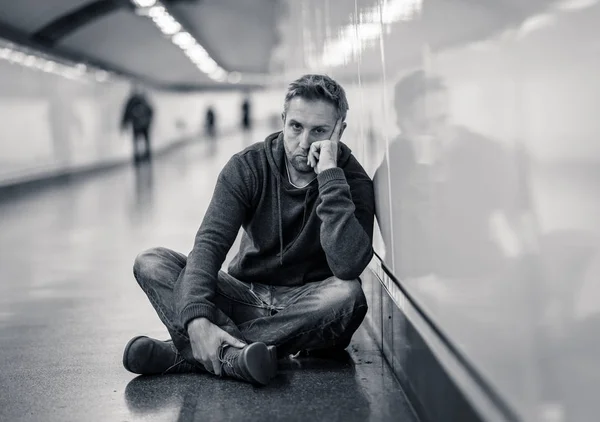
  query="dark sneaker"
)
[
  {"x": 148, "y": 356},
  {"x": 255, "y": 363}
]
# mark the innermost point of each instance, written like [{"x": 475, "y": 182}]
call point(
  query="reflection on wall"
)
[
  {"x": 477, "y": 122},
  {"x": 437, "y": 166}
]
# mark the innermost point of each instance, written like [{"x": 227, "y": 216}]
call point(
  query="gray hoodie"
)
[{"x": 292, "y": 236}]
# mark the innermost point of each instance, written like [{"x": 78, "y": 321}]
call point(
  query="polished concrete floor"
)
[{"x": 69, "y": 303}]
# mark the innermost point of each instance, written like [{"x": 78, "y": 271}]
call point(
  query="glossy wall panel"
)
[{"x": 478, "y": 122}]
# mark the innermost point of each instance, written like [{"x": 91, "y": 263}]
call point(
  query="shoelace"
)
[
  {"x": 178, "y": 360},
  {"x": 175, "y": 365},
  {"x": 227, "y": 361}
]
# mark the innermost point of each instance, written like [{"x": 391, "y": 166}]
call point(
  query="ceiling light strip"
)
[
  {"x": 33, "y": 59},
  {"x": 170, "y": 27}
]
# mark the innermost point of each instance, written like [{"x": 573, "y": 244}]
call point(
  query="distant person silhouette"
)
[
  {"x": 246, "y": 115},
  {"x": 210, "y": 122},
  {"x": 139, "y": 113}
]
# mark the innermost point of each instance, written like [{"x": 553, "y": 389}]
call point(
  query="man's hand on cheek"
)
[{"x": 323, "y": 155}]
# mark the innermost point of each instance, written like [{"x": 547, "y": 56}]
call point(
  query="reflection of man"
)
[
  {"x": 454, "y": 194},
  {"x": 138, "y": 112},
  {"x": 307, "y": 209}
]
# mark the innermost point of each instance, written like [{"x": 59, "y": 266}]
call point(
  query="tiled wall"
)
[{"x": 478, "y": 122}]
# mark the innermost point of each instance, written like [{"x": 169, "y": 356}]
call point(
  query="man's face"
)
[{"x": 305, "y": 122}]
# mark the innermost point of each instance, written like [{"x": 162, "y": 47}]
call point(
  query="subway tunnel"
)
[{"x": 472, "y": 131}]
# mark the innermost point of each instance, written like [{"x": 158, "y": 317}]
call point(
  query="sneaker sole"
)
[
  {"x": 259, "y": 362},
  {"x": 273, "y": 352},
  {"x": 126, "y": 352}
]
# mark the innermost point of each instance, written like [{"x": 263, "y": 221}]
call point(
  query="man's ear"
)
[
  {"x": 344, "y": 125},
  {"x": 283, "y": 117}
]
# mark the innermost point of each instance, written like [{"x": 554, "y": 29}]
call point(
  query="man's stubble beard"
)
[
  {"x": 298, "y": 160},
  {"x": 300, "y": 165}
]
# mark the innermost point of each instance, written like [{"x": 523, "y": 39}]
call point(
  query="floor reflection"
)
[
  {"x": 69, "y": 304},
  {"x": 305, "y": 389},
  {"x": 144, "y": 189}
]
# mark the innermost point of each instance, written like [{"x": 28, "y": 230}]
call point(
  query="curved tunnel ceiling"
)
[
  {"x": 249, "y": 36},
  {"x": 239, "y": 35}
]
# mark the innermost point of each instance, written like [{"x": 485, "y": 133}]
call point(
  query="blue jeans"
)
[{"x": 310, "y": 317}]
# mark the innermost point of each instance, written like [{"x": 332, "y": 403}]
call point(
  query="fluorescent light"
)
[
  {"x": 197, "y": 53},
  {"x": 168, "y": 25},
  {"x": 38, "y": 61},
  {"x": 183, "y": 39},
  {"x": 220, "y": 75},
  {"x": 29, "y": 61},
  {"x": 208, "y": 66},
  {"x": 156, "y": 11},
  {"x": 49, "y": 66},
  {"x": 144, "y": 3}
]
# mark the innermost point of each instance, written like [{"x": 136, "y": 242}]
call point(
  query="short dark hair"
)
[{"x": 318, "y": 87}]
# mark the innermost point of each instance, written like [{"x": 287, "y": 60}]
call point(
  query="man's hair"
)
[{"x": 318, "y": 87}]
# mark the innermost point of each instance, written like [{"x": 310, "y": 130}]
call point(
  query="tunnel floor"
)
[{"x": 69, "y": 304}]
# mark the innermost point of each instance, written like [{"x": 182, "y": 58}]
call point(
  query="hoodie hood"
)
[{"x": 275, "y": 151}]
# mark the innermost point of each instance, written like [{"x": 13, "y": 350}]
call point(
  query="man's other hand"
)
[{"x": 206, "y": 338}]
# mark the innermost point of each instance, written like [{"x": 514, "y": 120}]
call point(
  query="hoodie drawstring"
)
[
  {"x": 280, "y": 223},
  {"x": 281, "y": 220},
  {"x": 305, "y": 207}
]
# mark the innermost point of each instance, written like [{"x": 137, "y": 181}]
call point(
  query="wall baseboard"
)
[
  {"x": 435, "y": 379},
  {"x": 24, "y": 185}
]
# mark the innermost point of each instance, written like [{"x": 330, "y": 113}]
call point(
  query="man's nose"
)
[{"x": 305, "y": 140}]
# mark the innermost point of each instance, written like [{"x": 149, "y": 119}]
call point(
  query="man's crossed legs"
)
[{"x": 312, "y": 317}]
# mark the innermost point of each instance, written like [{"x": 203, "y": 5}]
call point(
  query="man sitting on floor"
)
[{"x": 307, "y": 209}]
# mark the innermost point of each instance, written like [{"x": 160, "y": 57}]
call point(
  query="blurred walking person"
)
[
  {"x": 210, "y": 122},
  {"x": 139, "y": 113},
  {"x": 246, "y": 115}
]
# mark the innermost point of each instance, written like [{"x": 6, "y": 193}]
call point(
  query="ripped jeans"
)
[{"x": 313, "y": 316}]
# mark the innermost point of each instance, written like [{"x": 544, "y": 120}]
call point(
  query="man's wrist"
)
[
  {"x": 198, "y": 322},
  {"x": 333, "y": 174},
  {"x": 328, "y": 166}
]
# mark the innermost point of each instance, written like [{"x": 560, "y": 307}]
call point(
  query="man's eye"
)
[
  {"x": 320, "y": 131},
  {"x": 296, "y": 126}
]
